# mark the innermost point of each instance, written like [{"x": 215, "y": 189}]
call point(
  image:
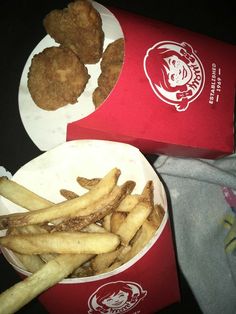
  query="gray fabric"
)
[{"x": 199, "y": 206}]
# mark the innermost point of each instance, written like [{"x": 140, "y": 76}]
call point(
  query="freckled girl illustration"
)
[
  {"x": 174, "y": 72},
  {"x": 116, "y": 297}
]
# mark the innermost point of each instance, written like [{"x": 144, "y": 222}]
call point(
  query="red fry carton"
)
[
  {"x": 175, "y": 93},
  {"x": 146, "y": 283}
]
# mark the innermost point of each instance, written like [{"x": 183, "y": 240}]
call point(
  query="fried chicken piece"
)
[
  {"x": 56, "y": 78},
  {"x": 114, "y": 53},
  {"x": 78, "y": 27},
  {"x": 111, "y": 64},
  {"x": 98, "y": 96},
  {"x": 109, "y": 76}
]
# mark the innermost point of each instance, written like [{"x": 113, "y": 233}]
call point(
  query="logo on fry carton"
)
[
  {"x": 116, "y": 297},
  {"x": 175, "y": 73}
]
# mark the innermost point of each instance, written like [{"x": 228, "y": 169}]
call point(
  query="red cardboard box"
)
[
  {"x": 175, "y": 94},
  {"x": 147, "y": 282}
]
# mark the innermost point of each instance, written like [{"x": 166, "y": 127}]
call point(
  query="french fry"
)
[
  {"x": 68, "y": 208},
  {"x": 156, "y": 215},
  {"x": 21, "y": 196},
  {"x": 102, "y": 261},
  {"x": 96, "y": 211},
  {"x": 147, "y": 193},
  {"x": 61, "y": 242},
  {"x": 82, "y": 271},
  {"x": 123, "y": 250},
  {"x": 147, "y": 231},
  {"x": 29, "y": 260},
  {"x": 117, "y": 218},
  {"x": 106, "y": 223},
  {"x": 4, "y": 221},
  {"x": 31, "y": 201},
  {"x": 31, "y": 263},
  {"x": 113, "y": 266},
  {"x": 128, "y": 203},
  {"x": 30, "y": 229},
  {"x": 93, "y": 228},
  {"x": 84, "y": 235},
  {"x": 14, "y": 298},
  {"x": 67, "y": 194},
  {"x": 133, "y": 221},
  {"x": 88, "y": 183}
]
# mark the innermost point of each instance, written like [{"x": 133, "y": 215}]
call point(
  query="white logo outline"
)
[
  {"x": 116, "y": 297},
  {"x": 179, "y": 96}
]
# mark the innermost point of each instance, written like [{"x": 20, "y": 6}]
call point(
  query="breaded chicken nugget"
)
[
  {"x": 114, "y": 53},
  {"x": 78, "y": 27},
  {"x": 99, "y": 96},
  {"x": 56, "y": 78},
  {"x": 109, "y": 76},
  {"x": 111, "y": 64}
]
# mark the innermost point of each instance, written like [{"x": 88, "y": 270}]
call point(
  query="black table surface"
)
[{"x": 21, "y": 29}]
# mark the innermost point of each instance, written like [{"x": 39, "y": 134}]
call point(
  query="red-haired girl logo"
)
[
  {"x": 175, "y": 73},
  {"x": 116, "y": 298}
]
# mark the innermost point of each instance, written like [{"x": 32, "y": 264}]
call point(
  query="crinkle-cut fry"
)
[
  {"x": 88, "y": 183},
  {"x": 97, "y": 211},
  {"x": 21, "y": 196},
  {"x": 67, "y": 194},
  {"x": 14, "y": 298},
  {"x": 71, "y": 207},
  {"x": 134, "y": 221},
  {"x": 61, "y": 243}
]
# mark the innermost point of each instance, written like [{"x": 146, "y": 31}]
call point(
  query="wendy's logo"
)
[
  {"x": 116, "y": 298},
  {"x": 175, "y": 73}
]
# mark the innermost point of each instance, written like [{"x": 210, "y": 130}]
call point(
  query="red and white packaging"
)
[
  {"x": 175, "y": 94},
  {"x": 146, "y": 283}
]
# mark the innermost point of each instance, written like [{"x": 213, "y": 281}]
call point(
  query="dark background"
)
[{"x": 20, "y": 31}]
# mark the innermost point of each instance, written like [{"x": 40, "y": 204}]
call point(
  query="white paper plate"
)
[
  {"x": 47, "y": 129},
  {"x": 59, "y": 167}
]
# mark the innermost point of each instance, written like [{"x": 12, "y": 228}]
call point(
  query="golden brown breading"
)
[
  {"x": 109, "y": 76},
  {"x": 111, "y": 65},
  {"x": 78, "y": 27},
  {"x": 114, "y": 53},
  {"x": 98, "y": 96},
  {"x": 56, "y": 78}
]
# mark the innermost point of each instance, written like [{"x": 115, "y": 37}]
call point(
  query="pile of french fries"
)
[{"x": 84, "y": 235}]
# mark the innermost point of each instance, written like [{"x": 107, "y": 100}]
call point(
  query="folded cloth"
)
[{"x": 203, "y": 200}]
